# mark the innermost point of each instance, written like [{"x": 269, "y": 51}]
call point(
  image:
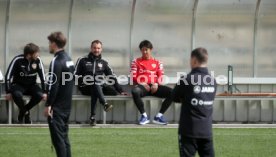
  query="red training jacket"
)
[{"x": 146, "y": 71}]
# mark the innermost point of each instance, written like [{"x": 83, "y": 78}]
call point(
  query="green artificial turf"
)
[{"x": 134, "y": 142}]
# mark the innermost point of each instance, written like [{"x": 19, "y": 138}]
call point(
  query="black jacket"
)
[
  {"x": 59, "y": 86},
  {"x": 24, "y": 72},
  {"x": 196, "y": 92},
  {"x": 94, "y": 66}
]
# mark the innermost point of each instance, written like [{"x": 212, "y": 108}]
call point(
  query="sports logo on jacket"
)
[
  {"x": 197, "y": 89},
  {"x": 34, "y": 66},
  {"x": 69, "y": 63},
  {"x": 153, "y": 65},
  {"x": 100, "y": 65}
]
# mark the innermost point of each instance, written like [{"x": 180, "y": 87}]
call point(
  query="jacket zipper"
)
[
  {"x": 94, "y": 68},
  {"x": 29, "y": 69}
]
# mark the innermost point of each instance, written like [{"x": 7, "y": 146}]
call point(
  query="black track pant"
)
[
  {"x": 58, "y": 126},
  {"x": 17, "y": 92},
  {"x": 189, "y": 146},
  {"x": 97, "y": 92},
  {"x": 162, "y": 92}
]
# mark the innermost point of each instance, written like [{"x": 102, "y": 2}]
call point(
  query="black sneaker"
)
[
  {"x": 92, "y": 121},
  {"x": 27, "y": 117},
  {"x": 21, "y": 115},
  {"x": 107, "y": 107}
]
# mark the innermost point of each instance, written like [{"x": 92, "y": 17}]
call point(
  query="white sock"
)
[
  {"x": 159, "y": 114},
  {"x": 145, "y": 114}
]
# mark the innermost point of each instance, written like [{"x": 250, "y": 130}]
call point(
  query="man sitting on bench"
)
[
  {"x": 90, "y": 72},
  {"x": 21, "y": 79},
  {"x": 146, "y": 74}
]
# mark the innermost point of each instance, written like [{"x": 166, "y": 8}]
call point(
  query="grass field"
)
[{"x": 134, "y": 142}]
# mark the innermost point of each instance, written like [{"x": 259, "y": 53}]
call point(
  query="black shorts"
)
[{"x": 189, "y": 146}]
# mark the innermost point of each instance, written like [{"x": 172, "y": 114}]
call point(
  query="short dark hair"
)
[
  {"x": 200, "y": 54},
  {"x": 30, "y": 48},
  {"x": 96, "y": 42},
  {"x": 58, "y": 38},
  {"x": 145, "y": 43}
]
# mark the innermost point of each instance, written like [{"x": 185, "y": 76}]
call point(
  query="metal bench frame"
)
[{"x": 121, "y": 97}]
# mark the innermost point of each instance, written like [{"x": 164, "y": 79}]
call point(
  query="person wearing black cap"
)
[{"x": 196, "y": 91}]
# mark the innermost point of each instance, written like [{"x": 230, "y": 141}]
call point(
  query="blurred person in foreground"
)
[
  {"x": 60, "y": 87},
  {"x": 196, "y": 92}
]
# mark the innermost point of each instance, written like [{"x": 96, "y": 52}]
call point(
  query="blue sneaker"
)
[
  {"x": 159, "y": 120},
  {"x": 143, "y": 120}
]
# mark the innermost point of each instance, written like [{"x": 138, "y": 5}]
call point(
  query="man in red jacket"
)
[{"x": 146, "y": 74}]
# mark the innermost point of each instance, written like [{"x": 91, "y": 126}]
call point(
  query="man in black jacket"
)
[
  {"x": 196, "y": 92},
  {"x": 96, "y": 79},
  {"x": 60, "y": 87},
  {"x": 21, "y": 79}
]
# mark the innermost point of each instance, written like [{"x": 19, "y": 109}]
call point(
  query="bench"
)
[
  {"x": 129, "y": 98},
  {"x": 76, "y": 97},
  {"x": 116, "y": 98}
]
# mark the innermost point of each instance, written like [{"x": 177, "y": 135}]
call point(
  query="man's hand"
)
[
  {"x": 44, "y": 97},
  {"x": 146, "y": 86},
  {"x": 154, "y": 88},
  {"x": 8, "y": 96},
  {"x": 48, "y": 111}
]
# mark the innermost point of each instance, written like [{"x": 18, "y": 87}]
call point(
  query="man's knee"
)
[
  {"x": 85, "y": 91},
  {"x": 136, "y": 91},
  {"x": 97, "y": 88},
  {"x": 17, "y": 94},
  {"x": 108, "y": 90},
  {"x": 38, "y": 95},
  {"x": 166, "y": 89}
]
